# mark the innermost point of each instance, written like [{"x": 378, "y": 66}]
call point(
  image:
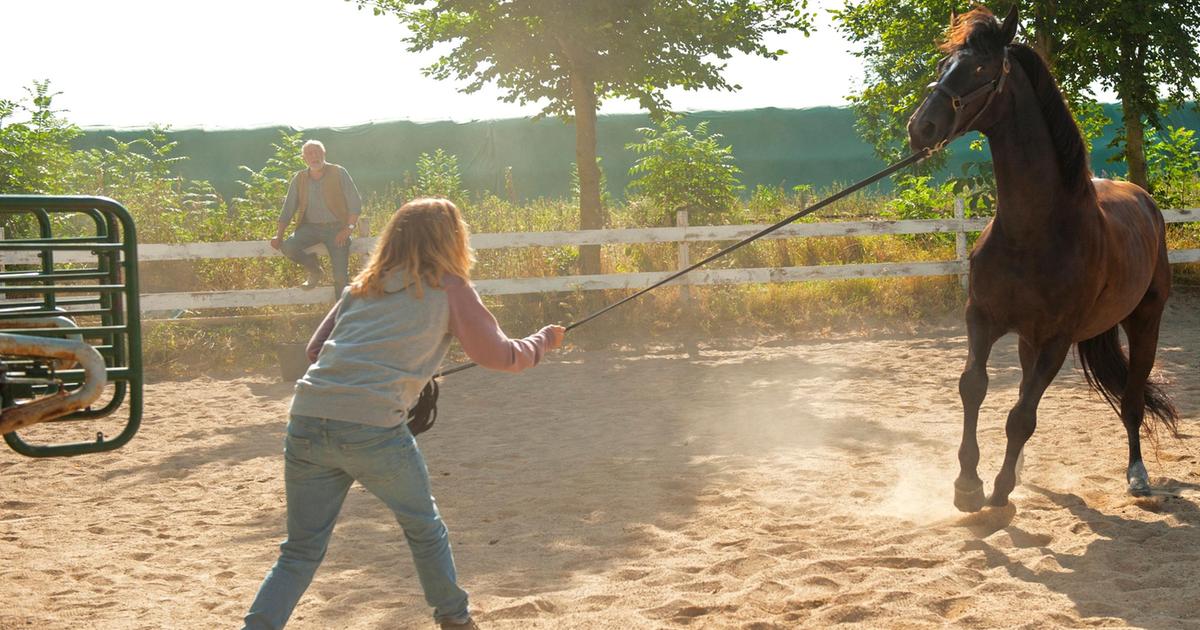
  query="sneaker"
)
[
  {"x": 469, "y": 624},
  {"x": 314, "y": 281}
]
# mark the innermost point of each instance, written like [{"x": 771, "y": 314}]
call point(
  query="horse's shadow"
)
[{"x": 1135, "y": 570}]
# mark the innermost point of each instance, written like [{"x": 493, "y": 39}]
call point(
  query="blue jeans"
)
[
  {"x": 321, "y": 459},
  {"x": 309, "y": 234}
]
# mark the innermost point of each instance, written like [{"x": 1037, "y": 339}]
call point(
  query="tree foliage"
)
[
  {"x": 1174, "y": 166},
  {"x": 1146, "y": 52},
  {"x": 1139, "y": 48},
  {"x": 35, "y": 143},
  {"x": 571, "y": 55}
]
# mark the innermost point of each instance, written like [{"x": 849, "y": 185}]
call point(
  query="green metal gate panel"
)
[{"x": 76, "y": 262}]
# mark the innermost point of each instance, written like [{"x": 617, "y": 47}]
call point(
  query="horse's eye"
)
[{"x": 978, "y": 69}]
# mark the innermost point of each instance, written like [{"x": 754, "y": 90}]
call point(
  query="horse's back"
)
[{"x": 1127, "y": 205}]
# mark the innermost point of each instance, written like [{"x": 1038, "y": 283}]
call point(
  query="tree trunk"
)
[
  {"x": 1135, "y": 144},
  {"x": 1045, "y": 14},
  {"x": 591, "y": 213}
]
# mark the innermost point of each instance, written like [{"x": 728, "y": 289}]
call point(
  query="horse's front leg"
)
[
  {"x": 1022, "y": 419},
  {"x": 972, "y": 388}
]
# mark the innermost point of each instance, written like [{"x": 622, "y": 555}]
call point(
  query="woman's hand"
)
[{"x": 556, "y": 336}]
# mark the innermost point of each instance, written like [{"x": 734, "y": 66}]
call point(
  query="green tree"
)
[
  {"x": 1142, "y": 50},
  {"x": 684, "y": 169},
  {"x": 35, "y": 143},
  {"x": 571, "y": 55},
  {"x": 895, "y": 39},
  {"x": 1139, "y": 48}
]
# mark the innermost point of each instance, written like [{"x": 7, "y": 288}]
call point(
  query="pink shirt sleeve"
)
[
  {"x": 322, "y": 333},
  {"x": 480, "y": 335}
]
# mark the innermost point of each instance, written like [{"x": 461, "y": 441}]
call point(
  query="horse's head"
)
[{"x": 970, "y": 76}]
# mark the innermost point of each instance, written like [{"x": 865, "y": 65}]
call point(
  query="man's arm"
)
[
  {"x": 289, "y": 210},
  {"x": 353, "y": 206},
  {"x": 353, "y": 199}
]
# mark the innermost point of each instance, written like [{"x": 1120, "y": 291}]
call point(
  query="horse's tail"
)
[{"x": 1106, "y": 369}]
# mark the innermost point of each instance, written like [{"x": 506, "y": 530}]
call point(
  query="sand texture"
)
[{"x": 762, "y": 484}]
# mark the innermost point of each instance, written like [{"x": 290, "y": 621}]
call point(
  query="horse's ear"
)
[
  {"x": 953, "y": 17},
  {"x": 1009, "y": 29}
]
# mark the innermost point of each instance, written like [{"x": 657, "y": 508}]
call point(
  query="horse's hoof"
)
[
  {"x": 1139, "y": 480},
  {"x": 995, "y": 502},
  {"x": 968, "y": 495}
]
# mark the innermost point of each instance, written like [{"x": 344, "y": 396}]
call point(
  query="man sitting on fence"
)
[{"x": 325, "y": 205}]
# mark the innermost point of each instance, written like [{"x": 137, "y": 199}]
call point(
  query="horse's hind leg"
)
[
  {"x": 1028, "y": 354},
  {"x": 1141, "y": 327},
  {"x": 972, "y": 388},
  {"x": 1022, "y": 419}
]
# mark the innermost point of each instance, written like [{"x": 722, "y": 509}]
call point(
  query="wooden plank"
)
[
  {"x": 720, "y": 233},
  {"x": 151, "y": 302},
  {"x": 322, "y": 295},
  {"x": 157, "y": 252},
  {"x": 1184, "y": 256},
  {"x": 153, "y": 252},
  {"x": 1181, "y": 216}
]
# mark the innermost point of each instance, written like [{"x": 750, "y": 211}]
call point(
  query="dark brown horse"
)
[{"x": 1066, "y": 260}]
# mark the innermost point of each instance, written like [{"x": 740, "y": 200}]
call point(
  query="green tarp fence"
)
[{"x": 776, "y": 147}]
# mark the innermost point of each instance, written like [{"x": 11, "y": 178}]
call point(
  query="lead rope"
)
[{"x": 424, "y": 413}]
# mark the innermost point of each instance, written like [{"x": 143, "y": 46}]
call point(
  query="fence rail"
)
[{"x": 158, "y": 302}]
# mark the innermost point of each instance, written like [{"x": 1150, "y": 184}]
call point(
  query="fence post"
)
[
  {"x": 960, "y": 242},
  {"x": 2, "y": 296},
  {"x": 685, "y": 290},
  {"x": 685, "y": 259}
]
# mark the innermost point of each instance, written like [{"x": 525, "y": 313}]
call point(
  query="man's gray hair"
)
[{"x": 313, "y": 143}]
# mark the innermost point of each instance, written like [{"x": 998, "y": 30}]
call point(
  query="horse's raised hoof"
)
[
  {"x": 968, "y": 495},
  {"x": 1139, "y": 480}
]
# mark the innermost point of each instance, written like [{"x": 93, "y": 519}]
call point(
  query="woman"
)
[{"x": 373, "y": 354}]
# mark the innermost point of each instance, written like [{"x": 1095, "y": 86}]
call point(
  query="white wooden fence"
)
[{"x": 160, "y": 302}]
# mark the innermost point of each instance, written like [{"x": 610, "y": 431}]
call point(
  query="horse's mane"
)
[
  {"x": 976, "y": 29},
  {"x": 979, "y": 30},
  {"x": 1064, "y": 132}
]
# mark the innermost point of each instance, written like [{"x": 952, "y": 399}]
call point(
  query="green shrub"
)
[
  {"x": 438, "y": 176},
  {"x": 1173, "y": 163},
  {"x": 685, "y": 169}
]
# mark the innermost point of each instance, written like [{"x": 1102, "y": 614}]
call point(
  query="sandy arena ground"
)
[{"x": 765, "y": 484}]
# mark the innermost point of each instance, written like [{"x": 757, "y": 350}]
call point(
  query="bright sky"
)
[{"x": 312, "y": 63}]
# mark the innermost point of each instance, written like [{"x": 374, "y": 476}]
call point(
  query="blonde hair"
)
[{"x": 424, "y": 239}]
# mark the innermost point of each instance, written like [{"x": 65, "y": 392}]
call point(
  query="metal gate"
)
[{"x": 70, "y": 331}]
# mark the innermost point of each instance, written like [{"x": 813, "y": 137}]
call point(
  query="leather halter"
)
[{"x": 958, "y": 103}]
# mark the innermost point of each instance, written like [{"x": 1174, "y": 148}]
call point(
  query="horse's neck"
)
[{"x": 1031, "y": 192}]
